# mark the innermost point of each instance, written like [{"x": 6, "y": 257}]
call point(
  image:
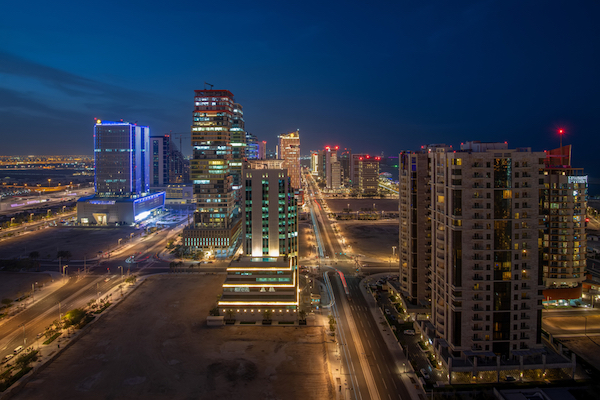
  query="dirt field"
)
[
  {"x": 14, "y": 284},
  {"x": 80, "y": 241},
  {"x": 587, "y": 348},
  {"x": 338, "y": 205},
  {"x": 373, "y": 239},
  {"x": 156, "y": 345}
]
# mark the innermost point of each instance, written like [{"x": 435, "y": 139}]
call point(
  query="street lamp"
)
[
  {"x": 63, "y": 270},
  {"x": 121, "y": 272}
]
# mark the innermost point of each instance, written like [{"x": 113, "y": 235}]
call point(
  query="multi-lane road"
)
[{"x": 369, "y": 370}]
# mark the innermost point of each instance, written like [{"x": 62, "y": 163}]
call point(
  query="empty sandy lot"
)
[
  {"x": 15, "y": 284},
  {"x": 156, "y": 345},
  {"x": 373, "y": 239},
  {"x": 80, "y": 241}
]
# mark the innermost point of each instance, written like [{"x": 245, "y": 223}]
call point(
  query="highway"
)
[{"x": 369, "y": 369}]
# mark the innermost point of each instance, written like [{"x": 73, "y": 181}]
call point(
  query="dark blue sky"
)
[{"x": 374, "y": 76}]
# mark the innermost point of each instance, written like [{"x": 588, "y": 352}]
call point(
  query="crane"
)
[{"x": 208, "y": 84}]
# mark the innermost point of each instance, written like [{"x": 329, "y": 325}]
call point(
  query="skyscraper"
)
[
  {"x": 289, "y": 152},
  {"x": 563, "y": 207},
  {"x": 216, "y": 225},
  {"x": 122, "y": 176},
  {"x": 160, "y": 150},
  {"x": 270, "y": 211},
  {"x": 264, "y": 283},
  {"x": 121, "y": 159},
  {"x": 485, "y": 287},
  {"x": 238, "y": 145}
]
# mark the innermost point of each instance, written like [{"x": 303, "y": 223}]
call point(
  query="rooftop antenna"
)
[{"x": 208, "y": 84}]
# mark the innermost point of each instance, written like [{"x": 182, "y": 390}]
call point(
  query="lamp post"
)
[{"x": 121, "y": 268}]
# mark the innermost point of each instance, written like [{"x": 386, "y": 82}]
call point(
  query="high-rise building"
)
[
  {"x": 121, "y": 159},
  {"x": 122, "y": 176},
  {"x": 354, "y": 169},
  {"x": 238, "y": 145},
  {"x": 264, "y": 283},
  {"x": 368, "y": 175},
  {"x": 486, "y": 289},
  {"x": 563, "y": 207},
  {"x": 251, "y": 147},
  {"x": 160, "y": 151},
  {"x": 289, "y": 152},
  {"x": 270, "y": 211},
  {"x": 314, "y": 162},
  {"x": 345, "y": 160},
  {"x": 414, "y": 192},
  {"x": 216, "y": 225}
]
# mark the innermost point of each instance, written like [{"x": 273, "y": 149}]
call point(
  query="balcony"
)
[
  {"x": 477, "y": 277},
  {"x": 477, "y": 318}
]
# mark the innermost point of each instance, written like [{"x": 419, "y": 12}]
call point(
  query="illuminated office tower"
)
[
  {"x": 270, "y": 211},
  {"x": 238, "y": 145},
  {"x": 345, "y": 160},
  {"x": 122, "y": 177},
  {"x": 121, "y": 151},
  {"x": 368, "y": 175},
  {"x": 289, "y": 152},
  {"x": 563, "y": 206},
  {"x": 216, "y": 224},
  {"x": 314, "y": 162}
]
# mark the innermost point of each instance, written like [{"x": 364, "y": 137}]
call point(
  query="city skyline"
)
[{"x": 434, "y": 73}]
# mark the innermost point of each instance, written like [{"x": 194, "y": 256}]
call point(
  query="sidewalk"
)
[{"x": 409, "y": 378}]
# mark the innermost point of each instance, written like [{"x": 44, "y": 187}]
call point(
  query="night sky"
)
[{"x": 371, "y": 75}]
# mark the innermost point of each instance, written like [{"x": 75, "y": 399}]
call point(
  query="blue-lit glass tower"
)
[{"x": 122, "y": 166}]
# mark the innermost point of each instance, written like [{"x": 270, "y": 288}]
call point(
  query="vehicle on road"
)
[
  {"x": 410, "y": 332},
  {"x": 425, "y": 373},
  {"x": 18, "y": 350},
  {"x": 387, "y": 311},
  {"x": 510, "y": 378},
  {"x": 7, "y": 358}
]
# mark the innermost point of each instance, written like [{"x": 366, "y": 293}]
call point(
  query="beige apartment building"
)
[
  {"x": 289, "y": 152},
  {"x": 469, "y": 245}
]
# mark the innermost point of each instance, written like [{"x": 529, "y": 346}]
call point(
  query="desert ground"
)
[
  {"x": 338, "y": 205},
  {"x": 80, "y": 241},
  {"x": 372, "y": 239},
  {"x": 15, "y": 284},
  {"x": 156, "y": 345}
]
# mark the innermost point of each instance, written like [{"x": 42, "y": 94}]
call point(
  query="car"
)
[
  {"x": 387, "y": 311},
  {"x": 509, "y": 378},
  {"x": 7, "y": 358},
  {"x": 410, "y": 332},
  {"x": 18, "y": 350},
  {"x": 424, "y": 373}
]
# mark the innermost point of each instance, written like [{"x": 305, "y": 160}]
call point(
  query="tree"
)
[
  {"x": 230, "y": 313},
  {"x": 34, "y": 255},
  {"x": 267, "y": 315},
  {"x": 74, "y": 317},
  {"x": 331, "y": 323},
  {"x": 302, "y": 315},
  {"x": 7, "y": 302},
  {"x": 64, "y": 254}
]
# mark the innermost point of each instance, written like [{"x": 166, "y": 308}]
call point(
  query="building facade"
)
[
  {"x": 415, "y": 226},
  {"x": 289, "y": 152},
  {"x": 563, "y": 207},
  {"x": 216, "y": 225},
  {"x": 160, "y": 150},
  {"x": 486, "y": 291},
  {"x": 270, "y": 211},
  {"x": 238, "y": 145},
  {"x": 121, "y": 159},
  {"x": 368, "y": 175}
]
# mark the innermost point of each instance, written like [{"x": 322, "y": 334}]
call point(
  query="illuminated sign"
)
[
  {"x": 102, "y": 202},
  {"x": 578, "y": 179}
]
